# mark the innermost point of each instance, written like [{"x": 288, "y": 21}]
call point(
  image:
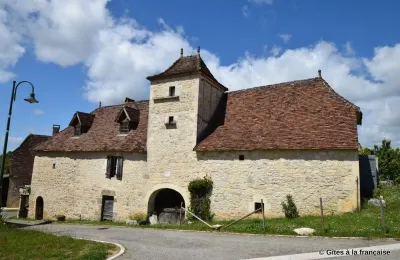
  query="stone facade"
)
[
  {"x": 76, "y": 186},
  {"x": 73, "y": 183}
]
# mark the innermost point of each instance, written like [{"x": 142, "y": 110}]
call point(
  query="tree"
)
[
  {"x": 388, "y": 161},
  {"x": 8, "y": 162}
]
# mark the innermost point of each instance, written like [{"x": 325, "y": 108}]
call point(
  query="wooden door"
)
[{"x": 107, "y": 208}]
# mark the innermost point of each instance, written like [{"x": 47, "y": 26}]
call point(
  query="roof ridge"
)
[
  {"x": 280, "y": 84},
  {"x": 122, "y": 104}
]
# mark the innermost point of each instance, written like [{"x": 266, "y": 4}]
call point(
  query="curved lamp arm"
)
[{"x": 24, "y": 81}]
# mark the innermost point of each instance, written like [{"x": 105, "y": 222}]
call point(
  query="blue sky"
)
[{"x": 83, "y": 52}]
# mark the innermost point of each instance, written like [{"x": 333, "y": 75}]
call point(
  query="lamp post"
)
[{"x": 30, "y": 99}]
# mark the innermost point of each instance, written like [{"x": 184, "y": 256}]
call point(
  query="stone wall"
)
[
  {"x": 271, "y": 175},
  {"x": 76, "y": 185}
]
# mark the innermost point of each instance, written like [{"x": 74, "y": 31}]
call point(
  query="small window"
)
[
  {"x": 170, "y": 120},
  {"x": 241, "y": 157},
  {"x": 114, "y": 167},
  {"x": 54, "y": 165},
  {"x": 124, "y": 127},
  {"x": 172, "y": 91},
  {"x": 257, "y": 205},
  {"x": 77, "y": 130}
]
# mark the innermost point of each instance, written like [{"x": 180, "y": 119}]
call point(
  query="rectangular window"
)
[
  {"x": 77, "y": 130},
  {"x": 170, "y": 120},
  {"x": 172, "y": 91},
  {"x": 114, "y": 167},
  {"x": 124, "y": 127},
  {"x": 257, "y": 205},
  {"x": 241, "y": 157}
]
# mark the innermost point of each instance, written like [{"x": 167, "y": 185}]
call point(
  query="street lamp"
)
[{"x": 31, "y": 99}]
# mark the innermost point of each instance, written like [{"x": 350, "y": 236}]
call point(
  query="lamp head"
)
[{"x": 31, "y": 99}]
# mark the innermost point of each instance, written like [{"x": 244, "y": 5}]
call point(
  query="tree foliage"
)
[
  {"x": 8, "y": 162},
  {"x": 388, "y": 160}
]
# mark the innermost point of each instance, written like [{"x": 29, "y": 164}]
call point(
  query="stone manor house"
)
[{"x": 297, "y": 138}]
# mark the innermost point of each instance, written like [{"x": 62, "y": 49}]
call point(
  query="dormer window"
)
[
  {"x": 172, "y": 91},
  {"x": 128, "y": 119},
  {"x": 77, "y": 130},
  {"x": 81, "y": 122}
]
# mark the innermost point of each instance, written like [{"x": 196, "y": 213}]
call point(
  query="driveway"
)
[{"x": 176, "y": 245}]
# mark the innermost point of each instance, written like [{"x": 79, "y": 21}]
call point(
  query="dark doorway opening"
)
[
  {"x": 167, "y": 198},
  {"x": 4, "y": 192},
  {"x": 107, "y": 207},
  {"x": 39, "y": 208}
]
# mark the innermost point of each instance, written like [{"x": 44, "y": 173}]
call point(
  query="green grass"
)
[
  {"x": 30, "y": 244},
  {"x": 365, "y": 223}
]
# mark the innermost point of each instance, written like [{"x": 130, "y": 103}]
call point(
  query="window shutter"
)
[
  {"x": 120, "y": 163},
  {"x": 108, "y": 170}
]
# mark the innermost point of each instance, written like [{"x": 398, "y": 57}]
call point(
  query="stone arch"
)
[
  {"x": 39, "y": 208},
  {"x": 173, "y": 192}
]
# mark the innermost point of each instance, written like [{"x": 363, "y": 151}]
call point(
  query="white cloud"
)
[
  {"x": 276, "y": 50},
  {"x": 120, "y": 53},
  {"x": 38, "y": 112},
  {"x": 10, "y": 49},
  {"x": 285, "y": 37},
  {"x": 261, "y": 2},
  {"x": 245, "y": 10}
]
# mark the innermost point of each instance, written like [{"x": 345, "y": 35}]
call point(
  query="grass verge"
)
[{"x": 31, "y": 244}]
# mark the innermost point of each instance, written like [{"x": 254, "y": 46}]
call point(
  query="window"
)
[
  {"x": 257, "y": 205},
  {"x": 77, "y": 130},
  {"x": 114, "y": 167},
  {"x": 124, "y": 127},
  {"x": 241, "y": 157},
  {"x": 171, "y": 120},
  {"x": 172, "y": 91}
]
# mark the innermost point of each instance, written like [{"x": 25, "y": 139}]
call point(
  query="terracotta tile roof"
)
[
  {"x": 304, "y": 114},
  {"x": 103, "y": 134},
  {"x": 186, "y": 65}
]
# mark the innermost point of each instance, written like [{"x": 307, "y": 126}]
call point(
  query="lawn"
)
[
  {"x": 30, "y": 244},
  {"x": 365, "y": 223}
]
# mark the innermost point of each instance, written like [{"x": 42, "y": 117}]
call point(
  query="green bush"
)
[
  {"x": 200, "y": 193},
  {"x": 138, "y": 216},
  {"x": 290, "y": 208}
]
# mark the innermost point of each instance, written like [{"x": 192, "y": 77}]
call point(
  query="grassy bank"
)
[
  {"x": 365, "y": 223},
  {"x": 30, "y": 244}
]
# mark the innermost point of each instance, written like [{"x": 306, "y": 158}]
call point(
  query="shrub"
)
[
  {"x": 138, "y": 216},
  {"x": 290, "y": 208},
  {"x": 200, "y": 193},
  {"x": 60, "y": 217}
]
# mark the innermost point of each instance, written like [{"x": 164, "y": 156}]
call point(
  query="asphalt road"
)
[{"x": 176, "y": 245}]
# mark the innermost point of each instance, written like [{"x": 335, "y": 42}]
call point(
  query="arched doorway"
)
[
  {"x": 166, "y": 204},
  {"x": 39, "y": 208}
]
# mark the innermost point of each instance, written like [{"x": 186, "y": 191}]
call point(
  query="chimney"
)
[
  {"x": 100, "y": 104},
  {"x": 56, "y": 129},
  {"x": 319, "y": 74},
  {"x": 181, "y": 52}
]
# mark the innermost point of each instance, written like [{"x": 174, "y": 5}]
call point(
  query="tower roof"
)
[{"x": 184, "y": 66}]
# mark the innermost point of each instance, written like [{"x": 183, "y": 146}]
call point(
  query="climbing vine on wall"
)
[{"x": 200, "y": 192}]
